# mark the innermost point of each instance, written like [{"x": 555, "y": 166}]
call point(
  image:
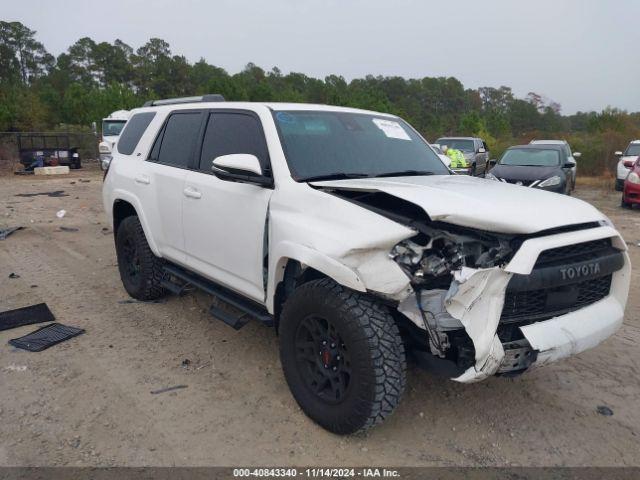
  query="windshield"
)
[
  {"x": 633, "y": 149},
  {"x": 325, "y": 145},
  {"x": 531, "y": 157},
  {"x": 112, "y": 128},
  {"x": 462, "y": 145}
]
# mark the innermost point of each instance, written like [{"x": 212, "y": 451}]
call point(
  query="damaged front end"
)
[
  {"x": 479, "y": 303},
  {"x": 458, "y": 296}
]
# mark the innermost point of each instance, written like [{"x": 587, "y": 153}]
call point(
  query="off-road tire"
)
[
  {"x": 142, "y": 274},
  {"x": 375, "y": 351},
  {"x": 619, "y": 185}
]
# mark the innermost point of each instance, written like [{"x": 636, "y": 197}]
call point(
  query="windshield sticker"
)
[
  {"x": 391, "y": 129},
  {"x": 284, "y": 117}
]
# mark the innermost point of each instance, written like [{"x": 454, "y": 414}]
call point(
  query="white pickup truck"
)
[{"x": 344, "y": 230}]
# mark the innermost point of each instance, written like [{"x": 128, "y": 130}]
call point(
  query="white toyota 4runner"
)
[{"x": 344, "y": 230}]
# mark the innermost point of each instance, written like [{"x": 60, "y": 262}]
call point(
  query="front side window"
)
[
  {"x": 112, "y": 128},
  {"x": 178, "y": 140},
  {"x": 531, "y": 157},
  {"x": 228, "y": 133},
  {"x": 324, "y": 145}
]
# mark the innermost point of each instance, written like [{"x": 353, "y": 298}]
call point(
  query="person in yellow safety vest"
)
[{"x": 456, "y": 156}]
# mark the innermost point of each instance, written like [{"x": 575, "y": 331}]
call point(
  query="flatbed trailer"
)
[{"x": 47, "y": 149}]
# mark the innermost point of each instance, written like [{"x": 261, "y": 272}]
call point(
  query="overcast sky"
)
[{"x": 580, "y": 53}]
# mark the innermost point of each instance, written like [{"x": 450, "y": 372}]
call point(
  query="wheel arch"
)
[
  {"x": 297, "y": 264},
  {"x": 123, "y": 207}
]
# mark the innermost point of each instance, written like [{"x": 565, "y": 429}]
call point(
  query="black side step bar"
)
[{"x": 248, "y": 308}]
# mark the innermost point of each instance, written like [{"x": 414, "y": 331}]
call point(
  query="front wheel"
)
[{"x": 342, "y": 356}]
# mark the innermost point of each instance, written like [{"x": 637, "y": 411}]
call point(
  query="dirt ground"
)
[{"x": 87, "y": 402}]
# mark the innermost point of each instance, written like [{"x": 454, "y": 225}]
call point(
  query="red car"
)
[{"x": 631, "y": 191}]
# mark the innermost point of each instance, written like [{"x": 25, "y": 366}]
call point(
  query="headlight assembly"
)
[
  {"x": 633, "y": 178},
  {"x": 550, "y": 182}
]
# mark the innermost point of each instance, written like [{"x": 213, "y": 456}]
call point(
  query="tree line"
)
[{"x": 39, "y": 91}]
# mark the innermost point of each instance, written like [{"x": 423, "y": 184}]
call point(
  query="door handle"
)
[
  {"x": 192, "y": 193},
  {"x": 143, "y": 179}
]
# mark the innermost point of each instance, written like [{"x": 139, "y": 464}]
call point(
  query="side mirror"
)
[
  {"x": 618, "y": 153},
  {"x": 241, "y": 162},
  {"x": 577, "y": 154},
  {"x": 481, "y": 150},
  {"x": 239, "y": 167},
  {"x": 569, "y": 164},
  {"x": 492, "y": 162}
]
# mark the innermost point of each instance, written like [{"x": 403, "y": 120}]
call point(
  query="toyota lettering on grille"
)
[{"x": 580, "y": 271}]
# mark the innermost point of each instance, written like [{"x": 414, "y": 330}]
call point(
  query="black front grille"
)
[
  {"x": 524, "y": 183},
  {"x": 579, "y": 252},
  {"x": 538, "y": 304}
]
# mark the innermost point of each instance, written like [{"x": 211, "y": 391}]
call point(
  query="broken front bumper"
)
[{"x": 476, "y": 299}]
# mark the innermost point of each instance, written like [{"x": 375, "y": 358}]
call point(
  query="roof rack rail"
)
[{"x": 210, "y": 97}]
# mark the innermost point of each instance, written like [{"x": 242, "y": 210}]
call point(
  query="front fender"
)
[{"x": 285, "y": 251}]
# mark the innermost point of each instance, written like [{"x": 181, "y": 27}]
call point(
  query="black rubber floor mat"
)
[
  {"x": 46, "y": 337},
  {"x": 38, "y": 313}
]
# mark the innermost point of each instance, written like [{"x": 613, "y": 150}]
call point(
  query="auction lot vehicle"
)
[
  {"x": 47, "y": 149},
  {"x": 536, "y": 166},
  {"x": 111, "y": 128},
  {"x": 475, "y": 152},
  {"x": 344, "y": 230},
  {"x": 631, "y": 189},
  {"x": 625, "y": 164},
  {"x": 570, "y": 157}
]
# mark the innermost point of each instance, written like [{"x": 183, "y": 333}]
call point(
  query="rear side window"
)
[
  {"x": 229, "y": 133},
  {"x": 133, "y": 131},
  {"x": 178, "y": 139}
]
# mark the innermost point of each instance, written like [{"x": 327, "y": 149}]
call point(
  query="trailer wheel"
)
[
  {"x": 140, "y": 270},
  {"x": 342, "y": 356}
]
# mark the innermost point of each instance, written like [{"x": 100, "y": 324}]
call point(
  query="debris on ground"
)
[
  {"x": 604, "y": 410},
  {"x": 131, "y": 300},
  {"x": 5, "y": 232},
  {"x": 168, "y": 389},
  {"x": 46, "y": 337},
  {"x": 69, "y": 229},
  {"x": 14, "y": 275},
  {"x": 61, "y": 213},
  {"x": 15, "y": 368},
  {"x": 83, "y": 180},
  {"x": 38, "y": 313},
  {"x": 186, "y": 362},
  {"x": 55, "y": 194},
  {"x": 57, "y": 170}
]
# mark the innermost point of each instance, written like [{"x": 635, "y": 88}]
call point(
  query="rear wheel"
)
[
  {"x": 140, "y": 270},
  {"x": 342, "y": 356}
]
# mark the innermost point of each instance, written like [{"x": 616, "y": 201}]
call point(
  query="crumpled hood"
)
[{"x": 478, "y": 203}]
